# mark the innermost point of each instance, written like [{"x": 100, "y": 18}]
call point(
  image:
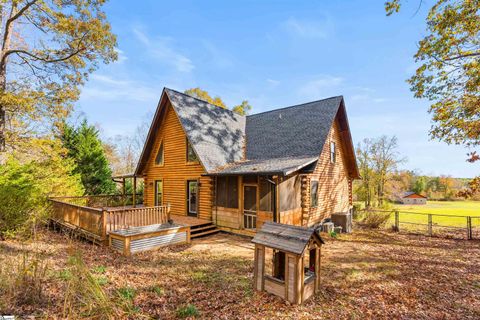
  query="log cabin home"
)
[{"x": 293, "y": 165}]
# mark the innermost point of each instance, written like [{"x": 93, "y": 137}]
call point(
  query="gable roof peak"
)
[{"x": 173, "y": 91}]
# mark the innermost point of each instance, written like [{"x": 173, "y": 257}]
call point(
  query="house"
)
[
  {"x": 413, "y": 198},
  {"x": 293, "y": 165}
]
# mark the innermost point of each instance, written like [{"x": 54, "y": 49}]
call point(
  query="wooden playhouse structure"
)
[{"x": 287, "y": 261}]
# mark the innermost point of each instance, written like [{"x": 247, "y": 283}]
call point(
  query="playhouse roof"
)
[{"x": 286, "y": 237}]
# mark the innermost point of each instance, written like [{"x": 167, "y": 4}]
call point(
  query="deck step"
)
[
  {"x": 202, "y": 228},
  {"x": 204, "y": 233}
]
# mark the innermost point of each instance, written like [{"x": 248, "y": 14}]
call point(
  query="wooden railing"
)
[
  {"x": 98, "y": 222},
  {"x": 85, "y": 218},
  {"x": 102, "y": 201},
  {"x": 135, "y": 217}
]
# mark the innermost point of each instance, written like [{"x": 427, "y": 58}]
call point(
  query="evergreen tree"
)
[{"x": 86, "y": 149}]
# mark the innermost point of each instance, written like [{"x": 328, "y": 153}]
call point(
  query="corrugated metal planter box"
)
[{"x": 137, "y": 239}]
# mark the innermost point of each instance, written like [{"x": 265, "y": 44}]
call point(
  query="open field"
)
[
  {"x": 444, "y": 214},
  {"x": 459, "y": 208},
  {"x": 365, "y": 275}
]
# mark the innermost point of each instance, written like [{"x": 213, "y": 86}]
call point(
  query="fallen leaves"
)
[{"x": 367, "y": 274}]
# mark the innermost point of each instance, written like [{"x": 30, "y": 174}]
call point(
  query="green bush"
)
[{"x": 25, "y": 187}]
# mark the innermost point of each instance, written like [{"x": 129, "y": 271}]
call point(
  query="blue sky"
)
[{"x": 274, "y": 54}]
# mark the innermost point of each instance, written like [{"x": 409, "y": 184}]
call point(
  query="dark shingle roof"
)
[
  {"x": 285, "y": 237},
  {"x": 297, "y": 131},
  {"x": 217, "y": 135},
  {"x": 280, "y": 141},
  {"x": 282, "y": 166}
]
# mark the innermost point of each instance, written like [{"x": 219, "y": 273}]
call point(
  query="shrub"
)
[
  {"x": 25, "y": 186},
  {"x": 84, "y": 297},
  {"x": 375, "y": 219},
  {"x": 187, "y": 311},
  {"x": 24, "y": 282}
]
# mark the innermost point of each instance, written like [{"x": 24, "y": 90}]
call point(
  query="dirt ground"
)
[{"x": 365, "y": 275}]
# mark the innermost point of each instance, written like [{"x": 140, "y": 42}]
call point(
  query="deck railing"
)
[
  {"x": 85, "y": 218},
  {"x": 102, "y": 201},
  {"x": 135, "y": 217},
  {"x": 98, "y": 222}
]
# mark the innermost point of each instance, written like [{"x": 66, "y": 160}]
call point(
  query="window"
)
[
  {"x": 275, "y": 263},
  {"x": 191, "y": 155},
  {"x": 313, "y": 194},
  {"x": 333, "y": 155},
  {"x": 159, "y": 158},
  {"x": 158, "y": 192},
  {"x": 309, "y": 265},
  {"x": 227, "y": 192}
]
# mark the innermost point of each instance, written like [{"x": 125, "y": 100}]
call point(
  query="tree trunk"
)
[{"x": 7, "y": 36}]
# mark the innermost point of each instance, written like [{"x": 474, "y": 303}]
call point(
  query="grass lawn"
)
[
  {"x": 443, "y": 215},
  {"x": 459, "y": 208},
  {"x": 365, "y": 275}
]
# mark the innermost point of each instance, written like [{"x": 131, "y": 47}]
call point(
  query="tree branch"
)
[
  {"x": 474, "y": 54},
  {"x": 19, "y": 52},
  {"x": 20, "y": 12},
  {"x": 46, "y": 60}
]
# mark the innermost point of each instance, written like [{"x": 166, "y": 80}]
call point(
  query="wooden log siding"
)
[
  {"x": 334, "y": 189},
  {"x": 176, "y": 171}
]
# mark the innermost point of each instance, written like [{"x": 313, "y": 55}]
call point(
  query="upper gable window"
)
[
  {"x": 159, "y": 158},
  {"x": 191, "y": 155},
  {"x": 314, "y": 194},
  {"x": 333, "y": 152}
]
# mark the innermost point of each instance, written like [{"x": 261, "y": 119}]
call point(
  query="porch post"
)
[
  {"x": 123, "y": 190},
  {"x": 134, "y": 191}
]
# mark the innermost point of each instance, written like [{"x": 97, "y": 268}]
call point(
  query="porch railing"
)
[{"x": 98, "y": 222}]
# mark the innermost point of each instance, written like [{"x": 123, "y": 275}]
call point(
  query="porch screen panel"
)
[
  {"x": 266, "y": 195},
  {"x": 290, "y": 194},
  {"x": 232, "y": 192},
  {"x": 227, "y": 192},
  {"x": 222, "y": 191}
]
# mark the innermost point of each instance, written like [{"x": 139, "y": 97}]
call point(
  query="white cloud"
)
[
  {"x": 121, "y": 56},
  {"x": 364, "y": 94},
  {"x": 162, "y": 49},
  {"x": 273, "y": 83},
  {"x": 313, "y": 29},
  {"x": 106, "y": 88},
  {"x": 217, "y": 56},
  {"x": 142, "y": 37},
  {"x": 320, "y": 87}
]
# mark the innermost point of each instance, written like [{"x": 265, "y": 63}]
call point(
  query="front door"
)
[
  {"x": 249, "y": 207},
  {"x": 192, "y": 197}
]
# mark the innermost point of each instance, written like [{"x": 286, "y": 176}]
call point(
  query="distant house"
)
[
  {"x": 413, "y": 198},
  {"x": 293, "y": 165}
]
